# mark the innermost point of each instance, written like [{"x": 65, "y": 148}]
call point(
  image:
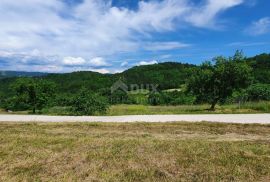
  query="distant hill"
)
[
  {"x": 71, "y": 82},
  {"x": 8, "y": 74},
  {"x": 167, "y": 75},
  {"x": 261, "y": 67}
]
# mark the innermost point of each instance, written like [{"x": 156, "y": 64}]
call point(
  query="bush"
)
[
  {"x": 30, "y": 93},
  {"x": 170, "y": 98},
  {"x": 87, "y": 103},
  {"x": 155, "y": 98},
  {"x": 63, "y": 100},
  {"x": 257, "y": 92}
]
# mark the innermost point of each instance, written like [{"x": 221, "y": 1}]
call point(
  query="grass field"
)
[
  {"x": 114, "y": 110},
  {"x": 134, "y": 152},
  {"x": 259, "y": 107}
]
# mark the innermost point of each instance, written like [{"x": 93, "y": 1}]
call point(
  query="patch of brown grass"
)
[{"x": 134, "y": 152}]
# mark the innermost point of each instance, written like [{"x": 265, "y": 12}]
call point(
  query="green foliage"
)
[
  {"x": 170, "y": 98},
  {"x": 155, "y": 98},
  {"x": 64, "y": 99},
  {"x": 139, "y": 98},
  {"x": 181, "y": 98},
  {"x": 261, "y": 68},
  {"x": 170, "y": 75},
  {"x": 120, "y": 97},
  {"x": 10, "y": 74},
  {"x": 166, "y": 75},
  {"x": 30, "y": 94},
  {"x": 257, "y": 92},
  {"x": 87, "y": 103},
  {"x": 212, "y": 83},
  {"x": 70, "y": 83}
]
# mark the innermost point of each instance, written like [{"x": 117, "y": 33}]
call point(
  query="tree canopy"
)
[
  {"x": 32, "y": 93},
  {"x": 215, "y": 81}
]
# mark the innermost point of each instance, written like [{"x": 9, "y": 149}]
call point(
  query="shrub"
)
[
  {"x": 257, "y": 92},
  {"x": 87, "y": 103}
]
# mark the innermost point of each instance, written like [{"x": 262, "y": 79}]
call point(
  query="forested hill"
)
[
  {"x": 168, "y": 75},
  {"x": 261, "y": 67},
  {"x": 9, "y": 74},
  {"x": 72, "y": 82}
]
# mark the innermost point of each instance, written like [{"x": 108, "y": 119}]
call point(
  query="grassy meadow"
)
[
  {"x": 114, "y": 110},
  {"x": 247, "y": 108},
  {"x": 134, "y": 152}
]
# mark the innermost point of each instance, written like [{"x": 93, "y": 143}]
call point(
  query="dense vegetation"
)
[
  {"x": 167, "y": 75},
  {"x": 224, "y": 80},
  {"x": 9, "y": 74},
  {"x": 213, "y": 83}
]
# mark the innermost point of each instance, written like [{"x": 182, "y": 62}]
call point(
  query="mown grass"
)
[{"x": 134, "y": 152}]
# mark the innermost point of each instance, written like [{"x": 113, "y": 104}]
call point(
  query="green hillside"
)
[
  {"x": 261, "y": 67},
  {"x": 9, "y": 74},
  {"x": 167, "y": 75}
]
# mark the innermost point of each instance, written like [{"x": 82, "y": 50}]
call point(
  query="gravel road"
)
[{"x": 224, "y": 118}]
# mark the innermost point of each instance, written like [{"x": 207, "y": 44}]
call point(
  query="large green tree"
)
[
  {"x": 215, "y": 81},
  {"x": 33, "y": 93}
]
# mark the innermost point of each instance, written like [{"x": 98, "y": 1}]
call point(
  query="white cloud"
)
[
  {"x": 74, "y": 61},
  {"x": 161, "y": 46},
  {"x": 246, "y": 44},
  {"x": 251, "y": 3},
  {"x": 147, "y": 63},
  {"x": 98, "y": 61},
  {"x": 95, "y": 29},
  {"x": 260, "y": 27},
  {"x": 102, "y": 70},
  {"x": 124, "y": 64},
  {"x": 205, "y": 16},
  {"x": 166, "y": 56}
]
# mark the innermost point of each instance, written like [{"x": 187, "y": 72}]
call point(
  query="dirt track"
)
[{"x": 225, "y": 118}]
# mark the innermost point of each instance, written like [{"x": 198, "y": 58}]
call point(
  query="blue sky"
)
[{"x": 110, "y": 36}]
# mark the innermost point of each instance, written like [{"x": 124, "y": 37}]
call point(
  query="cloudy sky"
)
[{"x": 113, "y": 35}]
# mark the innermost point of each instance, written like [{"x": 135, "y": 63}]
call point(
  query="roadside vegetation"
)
[
  {"x": 224, "y": 85},
  {"x": 134, "y": 152}
]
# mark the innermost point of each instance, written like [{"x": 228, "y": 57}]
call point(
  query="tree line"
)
[{"x": 221, "y": 80}]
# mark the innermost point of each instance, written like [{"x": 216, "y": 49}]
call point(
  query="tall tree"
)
[
  {"x": 214, "y": 82},
  {"x": 34, "y": 92}
]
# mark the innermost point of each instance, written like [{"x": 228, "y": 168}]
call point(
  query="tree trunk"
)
[
  {"x": 213, "y": 105},
  {"x": 34, "y": 110}
]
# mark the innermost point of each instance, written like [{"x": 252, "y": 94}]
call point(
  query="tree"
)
[
  {"x": 213, "y": 83},
  {"x": 87, "y": 103},
  {"x": 32, "y": 93}
]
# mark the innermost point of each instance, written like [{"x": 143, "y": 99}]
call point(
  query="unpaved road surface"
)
[{"x": 224, "y": 118}]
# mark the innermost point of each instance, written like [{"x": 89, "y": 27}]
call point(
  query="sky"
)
[{"x": 110, "y": 36}]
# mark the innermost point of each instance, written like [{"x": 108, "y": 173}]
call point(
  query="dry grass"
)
[{"x": 134, "y": 152}]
